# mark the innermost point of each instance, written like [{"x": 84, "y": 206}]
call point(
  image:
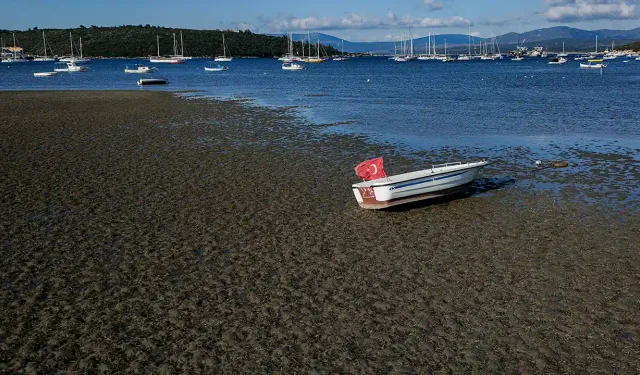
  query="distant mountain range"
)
[{"x": 551, "y": 38}]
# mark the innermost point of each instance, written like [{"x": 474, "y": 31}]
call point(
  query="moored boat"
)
[
  {"x": 292, "y": 66},
  {"x": 167, "y": 60},
  {"x": 45, "y": 74},
  {"x": 137, "y": 69},
  {"x": 152, "y": 81},
  {"x": 387, "y": 191},
  {"x": 224, "y": 56},
  {"x": 69, "y": 67},
  {"x": 218, "y": 68},
  {"x": 557, "y": 60},
  {"x": 593, "y": 64}
]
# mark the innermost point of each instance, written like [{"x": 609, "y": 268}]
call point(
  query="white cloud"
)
[
  {"x": 246, "y": 26},
  {"x": 432, "y": 5},
  {"x": 357, "y": 21},
  {"x": 583, "y": 10}
]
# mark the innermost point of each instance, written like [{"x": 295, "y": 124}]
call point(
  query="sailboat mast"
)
[
  {"x": 596, "y": 44},
  {"x": 44, "y": 43},
  {"x": 175, "y": 47},
  {"x": 14, "y": 46},
  {"x": 469, "y": 38},
  {"x": 318, "y": 48},
  {"x": 429, "y": 49},
  {"x": 158, "y": 41},
  {"x": 181, "y": 45},
  {"x": 80, "y": 47},
  {"x": 224, "y": 47},
  {"x": 71, "y": 39}
]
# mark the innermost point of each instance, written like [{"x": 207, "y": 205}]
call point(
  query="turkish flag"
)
[{"x": 370, "y": 169}]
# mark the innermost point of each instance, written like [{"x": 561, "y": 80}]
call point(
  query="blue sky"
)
[{"x": 356, "y": 20}]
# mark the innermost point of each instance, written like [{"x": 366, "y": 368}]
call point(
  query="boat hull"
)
[
  {"x": 152, "y": 81},
  {"x": 431, "y": 185}
]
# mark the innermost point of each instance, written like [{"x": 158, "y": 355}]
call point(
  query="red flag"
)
[{"x": 371, "y": 169}]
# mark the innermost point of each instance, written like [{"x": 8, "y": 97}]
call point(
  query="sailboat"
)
[
  {"x": 166, "y": 60},
  {"x": 317, "y": 58},
  {"x": 224, "y": 52},
  {"x": 15, "y": 58},
  {"x": 72, "y": 58},
  {"x": 81, "y": 60},
  {"x": 563, "y": 54},
  {"x": 610, "y": 55},
  {"x": 342, "y": 57},
  {"x": 447, "y": 58},
  {"x": 44, "y": 58},
  {"x": 468, "y": 56},
  {"x": 289, "y": 56}
]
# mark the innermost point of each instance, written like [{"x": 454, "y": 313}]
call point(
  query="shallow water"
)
[{"x": 511, "y": 112}]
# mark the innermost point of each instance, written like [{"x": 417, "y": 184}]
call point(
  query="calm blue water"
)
[{"x": 515, "y": 111}]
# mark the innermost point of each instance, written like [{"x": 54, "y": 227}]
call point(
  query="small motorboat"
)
[
  {"x": 292, "y": 66},
  {"x": 557, "y": 60},
  {"x": 69, "y": 67},
  {"x": 137, "y": 69},
  {"x": 386, "y": 191},
  {"x": 517, "y": 58},
  {"x": 593, "y": 64},
  {"x": 152, "y": 81},
  {"x": 45, "y": 74},
  {"x": 218, "y": 68}
]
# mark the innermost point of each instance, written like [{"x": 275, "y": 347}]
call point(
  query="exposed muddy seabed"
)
[{"x": 145, "y": 233}]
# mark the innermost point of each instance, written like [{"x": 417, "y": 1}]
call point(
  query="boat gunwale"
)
[{"x": 424, "y": 173}]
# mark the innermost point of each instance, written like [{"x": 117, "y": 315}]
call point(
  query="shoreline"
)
[{"x": 174, "y": 235}]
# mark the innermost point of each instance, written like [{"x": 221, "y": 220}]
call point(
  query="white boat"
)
[
  {"x": 218, "y": 68},
  {"x": 638, "y": 58},
  {"x": 609, "y": 56},
  {"x": 224, "y": 56},
  {"x": 467, "y": 57},
  {"x": 447, "y": 58},
  {"x": 342, "y": 57},
  {"x": 289, "y": 56},
  {"x": 557, "y": 61},
  {"x": 563, "y": 54},
  {"x": 137, "y": 69},
  {"x": 439, "y": 180},
  {"x": 69, "y": 67},
  {"x": 44, "y": 58},
  {"x": 72, "y": 58},
  {"x": 292, "y": 66},
  {"x": 152, "y": 81},
  {"x": 166, "y": 60},
  {"x": 45, "y": 74},
  {"x": 15, "y": 58},
  {"x": 517, "y": 58},
  {"x": 593, "y": 64}
]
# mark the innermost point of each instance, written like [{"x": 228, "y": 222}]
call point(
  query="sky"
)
[{"x": 354, "y": 20}]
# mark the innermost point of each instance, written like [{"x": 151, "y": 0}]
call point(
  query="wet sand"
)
[{"x": 144, "y": 233}]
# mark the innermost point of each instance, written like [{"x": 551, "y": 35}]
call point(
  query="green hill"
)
[
  {"x": 633, "y": 46},
  {"x": 136, "y": 41}
]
